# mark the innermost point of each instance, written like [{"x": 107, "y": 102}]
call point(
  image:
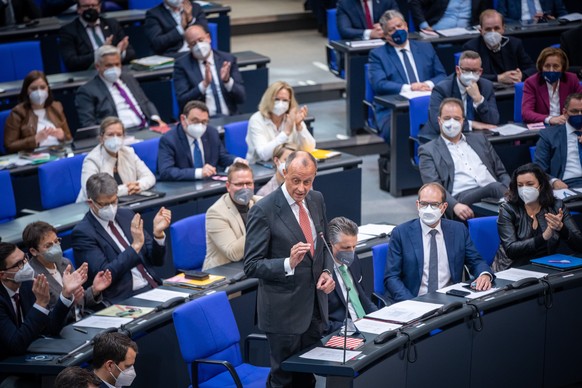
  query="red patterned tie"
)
[
  {"x": 369, "y": 23},
  {"x": 305, "y": 225}
]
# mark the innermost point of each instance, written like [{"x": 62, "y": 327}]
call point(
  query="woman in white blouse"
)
[
  {"x": 116, "y": 159},
  {"x": 279, "y": 120}
]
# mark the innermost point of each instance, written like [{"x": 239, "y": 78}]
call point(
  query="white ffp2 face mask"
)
[
  {"x": 280, "y": 107},
  {"x": 528, "y": 194}
]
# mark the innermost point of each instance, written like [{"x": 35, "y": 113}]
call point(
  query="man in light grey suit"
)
[
  {"x": 465, "y": 164},
  {"x": 113, "y": 93},
  {"x": 284, "y": 250}
]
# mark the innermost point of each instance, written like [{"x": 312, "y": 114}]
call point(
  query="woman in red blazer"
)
[{"x": 551, "y": 80}]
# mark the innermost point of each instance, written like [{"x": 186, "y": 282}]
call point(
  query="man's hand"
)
[
  {"x": 162, "y": 222},
  {"x": 137, "y": 233},
  {"x": 133, "y": 188},
  {"x": 376, "y": 32},
  {"x": 297, "y": 253},
  {"x": 463, "y": 211},
  {"x": 187, "y": 11},
  {"x": 559, "y": 185},
  {"x": 109, "y": 40},
  {"x": 40, "y": 289},
  {"x": 122, "y": 45},
  {"x": 325, "y": 283},
  {"x": 483, "y": 282},
  {"x": 78, "y": 295},
  {"x": 474, "y": 92},
  {"x": 207, "y": 75},
  {"x": 558, "y": 120},
  {"x": 208, "y": 170},
  {"x": 73, "y": 280},
  {"x": 102, "y": 281},
  {"x": 510, "y": 77},
  {"x": 225, "y": 72},
  {"x": 238, "y": 159},
  {"x": 420, "y": 87}
]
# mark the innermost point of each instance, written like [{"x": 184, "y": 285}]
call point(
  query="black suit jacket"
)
[
  {"x": 187, "y": 76},
  {"x": 75, "y": 45},
  {"x": 513, "y": 56},
  {"x": 15, "y": 340},
  {"x": 22, "y": 9},
  {"x": 337, "y": 302},
  {"x": 160, "y": 28},
  {"x": 285, "y": 304},
  {"x": 94, "y": 102},
  {"x": 571, "y": 43},
  {"x": 351, "y": 21},
  {"x": 432, "y": 11},
  {"x": 92, "y": 244}
]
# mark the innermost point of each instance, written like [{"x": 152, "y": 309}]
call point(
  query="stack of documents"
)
[
  {"x": 404, "y": 312},
  {"x": 324, "y": 154},
  {"x": 152, "y": 63},
  {"x": 180, "y": 281}
]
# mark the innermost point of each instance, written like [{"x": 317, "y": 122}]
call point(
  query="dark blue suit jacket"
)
[
  {"x": 15, "y": 340},
  {"x": 511, "y": 9},
  {"x": 406, "y": 257},
  {"x": 486, "y": 112},
  {"x": 337, "y": 303},
  {"x": 351, "y": 21},
  {"x": 552, "y": 150},
  {"x": 92, "y": 244},
  {"x": 175, "y": 161},
  {"x": 160, "y": 28},
  {"x": 387, "y": 75},
  {"x": 187, "y": 76}
]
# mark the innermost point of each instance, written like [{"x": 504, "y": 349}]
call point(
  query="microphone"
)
[{"x": 325, "y": 243}]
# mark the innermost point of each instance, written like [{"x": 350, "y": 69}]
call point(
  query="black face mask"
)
[{"x": 90, "y": 15}]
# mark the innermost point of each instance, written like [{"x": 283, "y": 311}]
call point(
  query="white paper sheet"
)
[
  {"x": 100, "y": 322},
  {"x": 327, "y": 354},
  {"x": 374, "y": 327},
  {"x": 509, "y": 129},
  {"x": 472, "y": 295},
  {"x": 368, "y": 231},
  {"x": 565, "y": 193},
  {"x": 514, "y": 274},
  {"x": 367, "y": 43},
  {"x": 404, "y": 312},
  {"x": 457, "y": 31},
  {"x": 161, "y": 295},
  {"x": 410, "y": 95}
]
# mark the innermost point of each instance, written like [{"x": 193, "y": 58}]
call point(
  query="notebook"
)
[{"x": 559, "y": 262}]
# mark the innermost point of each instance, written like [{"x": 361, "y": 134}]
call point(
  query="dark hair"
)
[
  {"x": 35, "y": 232},
  {"x": 238, "y": 166},
  {"x": 550, "y": 52},
  {"x": 546, "y": 198},
  {"x": 30, "y": 78},
  {"x": 111, "y": 346},
  {"x": 6, "y": 249},
  {"x": 436, "y": 185},
  {"x": 300, "y": 155},
  {"x": 573, "y": 96},
  {"x": 452, "y": 100},
  {"x": 76, "y": 377},
  {"x": 195, "y": 104}
]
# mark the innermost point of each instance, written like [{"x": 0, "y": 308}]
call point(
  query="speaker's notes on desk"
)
[
  {"x": 99, "y": 322},
  {"x": 327, "y": 354},
  {"x": 161, "y": 295},
  {"x": 373, "y": 326},
  {"x": 515, "y": 274},
  {"x": 403, "y": 312}
]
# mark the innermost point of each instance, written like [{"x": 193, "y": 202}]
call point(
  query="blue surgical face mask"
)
[
  {"x": 399, "y": 37},
  {"x": 552, "y": 76},
  {"x": 345, "y": 257},
  {"x": 575, "y": 121}
]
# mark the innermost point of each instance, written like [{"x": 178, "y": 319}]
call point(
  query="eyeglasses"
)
[
  {"x": 19, "y": 264},
  {"x": 243, "y": 184},
  {"x": 102, "y": 205},
  {"x": 50, "y": 244},
  {"x": 473, "y": 71},
  {"x": 433, "y": 205}
]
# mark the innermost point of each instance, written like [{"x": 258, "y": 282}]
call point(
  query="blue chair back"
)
[
  {"x": 379, "y": 255},
  {"x": 457, "y": 57},
  {"x": 213, "y": 31},
  {"x": 19, "y": 59},
  {"x": 175, "y": 107},
  {"x": 532, "y": 153},
  {"x": 235, "y": 138},
  {"x": 142, "y": 4},
  {"x": 68, "y": 253},
  {"x": 555, "y": 45},
  {"x": 483, "y": 232},
  {"x": 517, "y": 102},
  {"x": 147, "y": 151},
  {"x": 369, "y": 113},
  {"x": 418, "y": 116},
  {"x": 7, "y": 202},
  {"x": 206, "y": 329},
  {"x": 333, "y": 34},
  {"x": 411, "y": 26},
  {"x": 3, "y": 116},
  {"x": 189, "y": 242},
  {"x": 60, "y": 181}
]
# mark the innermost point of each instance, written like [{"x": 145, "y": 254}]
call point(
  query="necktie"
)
[
  {"x": 197, "y": 155},
  {"x": 368, "y": 14},
  {"x": 352, "y": 293},
  {"x": 305, "y": 225},
  {"x": 125, "y": 245},
  {"x": 433, "y": 273},
  {"x": 579, "y": 133},
  {"x": 531, "y": 6},
  {"x": 18, "y": 311},
  {"x": 130, "y": 103},
  {"x": 98, "y": 40},
  {"x": 408, "y": 66},
  {"x": 470, "y": 113},
  {"x": 215, "y": 93}
]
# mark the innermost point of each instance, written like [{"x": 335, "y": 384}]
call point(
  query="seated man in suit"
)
[
  {"x": 437, "y": 15},
  {"x": 429, "y": 253},
  {"x": 401, "y": 65},
  {"x": 207, "y": 75},
  {"x": 570, "y": 42},
  {"x": 467, "y": 85},
  {"x": 347, "y": 274},
  {"x": 193, "y": 150},
  {"x": 504, "y": 58},
  {"x": 77, "y": 377},
  {"x": 166, "y": 22},
  {"x": 113, "y": 93},
  {"x": 114, "y": 239},
  {"x": 557, "y": 150},
  {"x": 226, "y": 219},
  {"x": 357, "y": 19},
  {"x": 542, "y": 11},
  {"x": 87, "y": 32},
  {"x": 465, "y": 164},
  {"x": 114, "y": 357},
  {"x": 24, "y": 301},
  {"x": 17, "y": 11}
]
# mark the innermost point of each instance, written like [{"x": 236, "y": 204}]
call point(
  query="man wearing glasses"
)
[
  {"x": 24, "y": 301},
  {"x": 115, "y": 240},
  {"x": 429, "y": 253},
  {"x": 466, "y": 165}
]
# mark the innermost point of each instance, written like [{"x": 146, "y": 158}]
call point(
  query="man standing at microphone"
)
[{"x": 284, "y": 251}]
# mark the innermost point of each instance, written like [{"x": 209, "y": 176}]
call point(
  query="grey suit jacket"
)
[
  {"x": 285, "y": 303},
  {"x": 436, "y": 163},
  {"x": 94, "y": 102}
]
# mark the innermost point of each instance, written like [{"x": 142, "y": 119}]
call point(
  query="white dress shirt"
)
[
  {"x": 463, "y": 91},
  {"x": 444, "y": 272},
  {"x": 457, "y": 14},
  {"x": 44, "y": 122},
  {"x": 367, "y": 32},
  {"x": 526, "y": 13},
  {"x": 177, "y": 16},
  {"x": 554, "y": 101},
  {"x": 198, "y": 172},
  {"x": 573, "y": 169},
  {"x": 408, "y": 87},
  {"x": 124, "y": 112},
  {"x": 209, "y": 96}
]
